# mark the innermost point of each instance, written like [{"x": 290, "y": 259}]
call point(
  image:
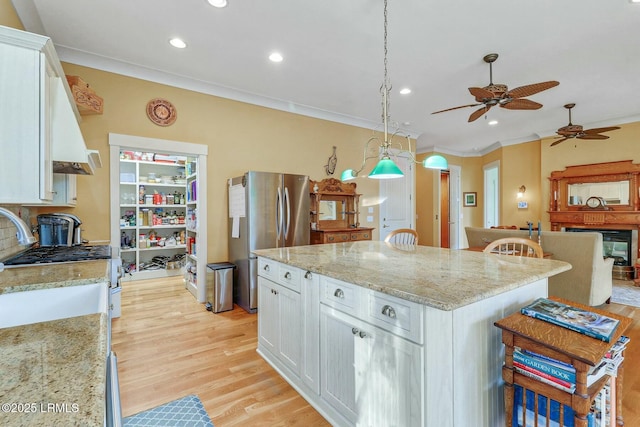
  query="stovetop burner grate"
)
[{"x": 51, "y": 254}]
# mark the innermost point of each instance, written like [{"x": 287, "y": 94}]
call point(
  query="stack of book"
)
[
  {"x": 576, "y": 319},
  {"x": 563, "y": 375}
]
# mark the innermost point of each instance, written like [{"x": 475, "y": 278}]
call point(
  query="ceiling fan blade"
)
[
  {"x": 481, "y": 93},
  {"x": 528, "y": 90},
  {"x": 455, "y": 108},
  {"x": 592, "y": 136},
  {"x": 521, "y": 104},
  {"x": 478, "y": 113},
  {"x": 558, "y": 141},
  {"x": 600, "y": 130}
]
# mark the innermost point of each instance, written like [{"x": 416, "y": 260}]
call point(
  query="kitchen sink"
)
[{"x": 42, "y": 305}]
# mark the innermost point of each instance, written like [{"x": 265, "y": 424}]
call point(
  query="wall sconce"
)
[{"x": 521, "y": 191}]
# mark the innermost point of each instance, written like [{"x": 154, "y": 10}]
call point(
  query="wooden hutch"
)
[
  {"x": 599, "y": 197},
  {"x": 335, "y": 215}
]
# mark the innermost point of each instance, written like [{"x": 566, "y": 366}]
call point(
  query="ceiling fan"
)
[
  {"x": 575, "y": 131},
  {"x": 499, "y": 94}
]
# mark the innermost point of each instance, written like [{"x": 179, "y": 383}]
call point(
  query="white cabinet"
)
[
  {"x": 322, "y": 334},
  {"x": 310, "y": 293},
  {"x": 372, "y": 377},
  {"x": 280, "y": 329},
  {"x": 39, "y": 119},
  {"x": 26, "y": 75},
  {"x": 64, "y": 190}
]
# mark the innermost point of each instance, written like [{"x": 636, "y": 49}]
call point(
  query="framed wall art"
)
[{"x": 470, "y": 199}]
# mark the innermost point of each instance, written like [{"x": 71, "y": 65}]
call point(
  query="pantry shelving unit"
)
[
  {"x": 152, "y": 223},
  {"x": 191, "y": 265},
  {"x": 158, "y": 191}
]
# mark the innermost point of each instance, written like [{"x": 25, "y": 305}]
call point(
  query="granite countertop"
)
[
  {"x": 53, "y": 373},
  {"x": 440, "y": 278},
  {"x": 43, "y": 276}
]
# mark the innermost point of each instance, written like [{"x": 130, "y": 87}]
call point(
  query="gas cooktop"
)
[{"x": 51, "y": 254}]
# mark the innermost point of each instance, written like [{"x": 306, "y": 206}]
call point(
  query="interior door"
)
[
  {"x": 397, "y": 209},
  {"x": 455, "y": 218},
  {"x": 492, "y": 194}
]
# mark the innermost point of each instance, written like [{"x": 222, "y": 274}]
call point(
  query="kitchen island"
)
[
  {"x": 378, "y": 334},
  {"x": 53, "y": 372}
]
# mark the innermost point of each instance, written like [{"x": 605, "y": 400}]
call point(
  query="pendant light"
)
[{"x": 386, "y": 167}]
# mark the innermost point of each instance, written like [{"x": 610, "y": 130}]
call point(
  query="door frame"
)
[
  {"x": 408, "y": 196},
  {"x": 140, "y": 143},
  {"x": 491, "y": 194}
]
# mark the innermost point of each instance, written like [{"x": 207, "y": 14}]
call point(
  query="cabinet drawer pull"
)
[
  {"x": 339, "y": 293},
  {"x": 357, "y": 332},
  {"x": 287, "y": 275},
  {"x": 266, "y": 267},
  {"x": 387, "y": 310},
  {"x": 308, "y": 275}
]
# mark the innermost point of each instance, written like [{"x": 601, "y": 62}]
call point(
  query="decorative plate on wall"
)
[{"x": 161, "y": 112}]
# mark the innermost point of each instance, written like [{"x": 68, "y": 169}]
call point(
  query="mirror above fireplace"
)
[{"x": 613, "y": 192}]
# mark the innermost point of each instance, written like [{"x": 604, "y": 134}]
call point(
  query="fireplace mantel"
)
[{"x": 566, "y": 212}]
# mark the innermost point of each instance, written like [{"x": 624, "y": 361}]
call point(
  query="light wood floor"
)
[{"x": 169, "y": 346}]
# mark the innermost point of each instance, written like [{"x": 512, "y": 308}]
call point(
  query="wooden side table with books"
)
[{"x": 564, "y": 345}]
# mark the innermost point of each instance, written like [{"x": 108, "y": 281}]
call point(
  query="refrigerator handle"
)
[
  {"x": 278, "y": 216},
  {"x": 288, "y": 207}
]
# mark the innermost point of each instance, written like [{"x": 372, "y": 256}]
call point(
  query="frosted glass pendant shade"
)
[
  {"x": 435, "y": 162},
  {"x": 386, "y": 169}
]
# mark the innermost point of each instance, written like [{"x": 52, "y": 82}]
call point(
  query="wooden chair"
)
[
  {"x": 403, "y": 236},
  {"x": 515, "y": 246},
  {"x": 505, "y": 227}
]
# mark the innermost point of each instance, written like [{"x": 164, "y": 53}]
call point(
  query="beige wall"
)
[
  {"x": 240, "y": 137},
  {"x": 520, "y": 165}
]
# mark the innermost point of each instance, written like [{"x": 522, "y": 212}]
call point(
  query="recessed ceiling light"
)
[
  {"x": 492, "y": 122},
  {"x": 634, "y": 1},
  {"x": 405, "y": 91},
  {"x": 176, "y": 42},
  {"x": 217, "y": 3},
  {"x": 276, "y": 57}
]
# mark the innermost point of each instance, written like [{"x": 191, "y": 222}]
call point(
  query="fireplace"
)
[
  {"x": 617, "y": 183},
  {"x": 619, "y": 245}
]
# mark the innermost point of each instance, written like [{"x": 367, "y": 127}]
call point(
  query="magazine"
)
[{"x": 585, "y": 322}]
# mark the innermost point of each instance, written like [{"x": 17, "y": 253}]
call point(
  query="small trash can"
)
[{"x": 219, "y": 291}]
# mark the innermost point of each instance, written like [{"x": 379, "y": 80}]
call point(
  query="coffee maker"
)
[{"x": 59, "y": 229}]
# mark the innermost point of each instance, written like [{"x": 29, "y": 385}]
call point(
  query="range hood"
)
[{"x": 68, "y": 151}]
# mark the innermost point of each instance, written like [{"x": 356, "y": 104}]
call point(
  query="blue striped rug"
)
[{"x": 185, "y": 412}]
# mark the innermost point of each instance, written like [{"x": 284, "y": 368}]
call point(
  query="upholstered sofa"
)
[{"x": 590, "y": 279}]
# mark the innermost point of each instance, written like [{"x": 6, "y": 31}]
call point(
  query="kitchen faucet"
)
[{"x": 24, "y": 235}]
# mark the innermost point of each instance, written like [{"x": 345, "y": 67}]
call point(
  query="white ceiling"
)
[{"x": 333, "y": 57}]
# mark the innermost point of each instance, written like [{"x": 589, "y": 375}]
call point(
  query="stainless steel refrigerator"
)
[{"x": 266, "y": 210}]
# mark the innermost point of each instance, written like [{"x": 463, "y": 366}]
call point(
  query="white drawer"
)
[
  {"x": 289, "y": 277},
  {"x": 396, "y": 315},
  {"x": 268, "y": 268},
  {"x": 340, "y": 295}
]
